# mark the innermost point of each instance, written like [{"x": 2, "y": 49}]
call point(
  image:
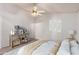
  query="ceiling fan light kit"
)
[{"x": 36, "y": 12}]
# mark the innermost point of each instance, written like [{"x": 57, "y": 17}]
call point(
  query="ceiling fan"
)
[{"x": 34, "y": 11}]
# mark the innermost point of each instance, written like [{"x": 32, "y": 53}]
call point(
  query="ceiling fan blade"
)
[
  {"x": 39, "y": 14},
  {"x": 41, "y": 11},
  {"x": 28, "y": 10},
  {"x": 35, "y": 8}
]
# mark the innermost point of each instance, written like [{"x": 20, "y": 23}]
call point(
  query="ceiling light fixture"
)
[{"x": 36, "y": 12}]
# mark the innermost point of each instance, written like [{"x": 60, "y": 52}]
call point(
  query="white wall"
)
[
  {"x": 68, "y": 23},
  {"x": 60, "y": 25},
  {"x": 0, "y": 30},
  {"x": 77, "y": 26},
  {"x": 42, "y": 27}
]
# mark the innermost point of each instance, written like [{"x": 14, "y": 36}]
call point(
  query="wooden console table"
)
[{"x": 16, "y": 40}]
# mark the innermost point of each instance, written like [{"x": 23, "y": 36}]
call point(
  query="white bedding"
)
[
  {"x": 69, "y": 48},
  {"x": 45, "y": 49},
  {"x": 74, "y": 48},
  {"x": 64, "y": 48}
]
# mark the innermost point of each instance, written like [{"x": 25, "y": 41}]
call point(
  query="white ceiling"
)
[
  {"x": 48, "y": 7},
  {"x": 53, "y": 7}
]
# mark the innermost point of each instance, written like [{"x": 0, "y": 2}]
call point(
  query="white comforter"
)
[
  {"x": 64, "y": 48},
  {"x": 45, "y": 48}
]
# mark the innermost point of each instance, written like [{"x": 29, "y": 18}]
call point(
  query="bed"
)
[
  {"x": 48, "y": 47},
  {"x": 40, "y": 47}
]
